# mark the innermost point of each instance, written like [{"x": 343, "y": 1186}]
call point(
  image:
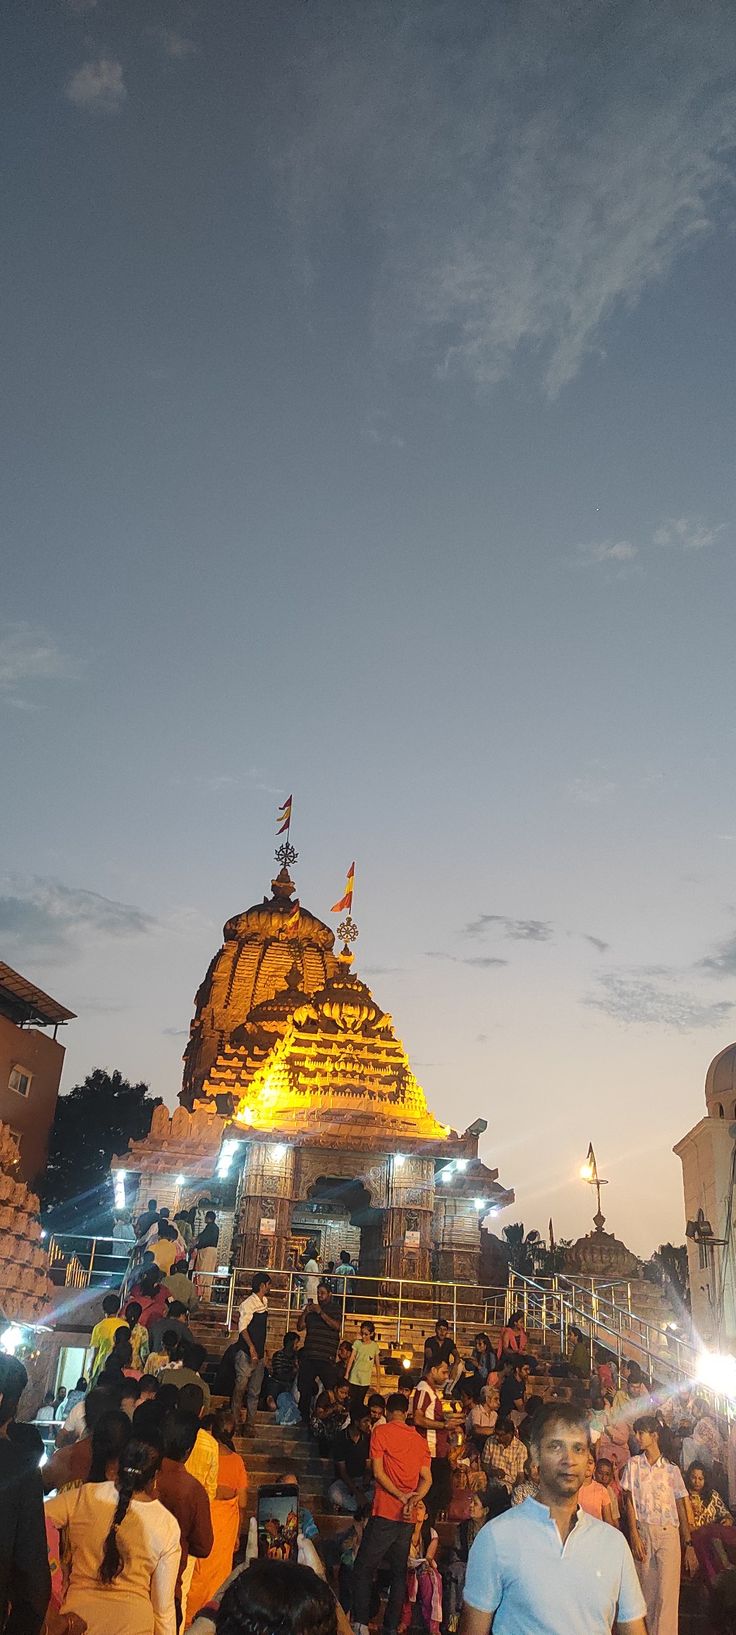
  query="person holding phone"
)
[{"x": 320, "y": 1323}]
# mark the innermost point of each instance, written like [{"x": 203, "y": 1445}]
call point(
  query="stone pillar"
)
[
  {"x": 456, "y": 1230},
  {"x": 265, "y": 1205},
  {"x": 407, "y": 1227}
]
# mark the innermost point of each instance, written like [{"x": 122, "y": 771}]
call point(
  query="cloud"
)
[
  {"x": 634, "y": 998},
  {"x": 175, "y": 1033},
  {"x": 520, "y": 188},
  {"x": 483, "y": 962},
  {"x": 592, "y": 787},
  {"x": 516, "y": 930},
  {"x": 98, "y": 87},
  {"x": 29, "y": 656},
  {"x": 174, "y": 45},
  {"x": 600, "y": 946},
  {"x": 722, "y": 962},
  {"x": 47, "y": 918},
  {"x": 602, "y": 553},
  {"x": 688, "y": 533}
]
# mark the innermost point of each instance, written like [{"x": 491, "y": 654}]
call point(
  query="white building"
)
[{"x": 708, "y": 1157}]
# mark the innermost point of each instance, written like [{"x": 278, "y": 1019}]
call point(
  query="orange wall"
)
[{"x": 32, "y": 1115}]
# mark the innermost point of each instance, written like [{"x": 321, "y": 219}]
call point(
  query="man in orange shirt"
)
[{"x": 401, "y": 1467}]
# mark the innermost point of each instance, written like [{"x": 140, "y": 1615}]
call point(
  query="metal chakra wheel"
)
[
  {"x": 348, "y": 930},
  {"x": 286, "y": 854}
]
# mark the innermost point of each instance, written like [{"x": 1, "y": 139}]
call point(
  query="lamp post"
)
[{"x": 589, "y": 1173}]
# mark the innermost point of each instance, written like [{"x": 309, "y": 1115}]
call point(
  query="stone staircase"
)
[{"x": 271, "y": 1451}]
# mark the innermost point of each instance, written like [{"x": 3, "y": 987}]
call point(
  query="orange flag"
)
[
  {"x": 284, "y": 818},
  {"x": 346, "y": 902},
  {"x": 292, "y": 918}
]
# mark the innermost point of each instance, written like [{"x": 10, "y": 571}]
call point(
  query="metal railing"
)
[
  {"x": 85, "y": 1261},
  {"x": 404, "y": 1309},
  {"x": 557, "y": 1304},
  {"x": 401, "y": 1308}
]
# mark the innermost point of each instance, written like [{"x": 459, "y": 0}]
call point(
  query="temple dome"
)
[
  {"x": 261, "y": 948},
  {"x": 600, "y": 1254},
  {"x": 720, "y": 1084}
]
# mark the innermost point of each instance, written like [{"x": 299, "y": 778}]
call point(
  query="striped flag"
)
[
  {"x": 346, "y": 902},
  {"x": 283, "y": 820},
  {"x": 291, "y": 920}
]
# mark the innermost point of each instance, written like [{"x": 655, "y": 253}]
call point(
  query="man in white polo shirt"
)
[{"x": 545, "y": 1566}]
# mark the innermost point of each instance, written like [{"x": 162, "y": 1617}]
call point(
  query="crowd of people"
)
[{"x": 481, "y": 1490}]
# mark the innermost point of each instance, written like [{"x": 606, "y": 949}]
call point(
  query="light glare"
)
[{"x": 717, "y": 1370}]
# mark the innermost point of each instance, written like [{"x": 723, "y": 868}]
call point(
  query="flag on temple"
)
[
  {"x": 346, "y": 902},
  {"x": 292, "y": 919},
  {"x": 284, "y": 818}
]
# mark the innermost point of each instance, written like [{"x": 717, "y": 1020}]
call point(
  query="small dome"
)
[
  {"x": 600, "y": 1254},
  {"x": 720, "y": 1084}
]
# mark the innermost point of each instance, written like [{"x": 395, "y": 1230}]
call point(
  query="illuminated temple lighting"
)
[
  {"x": 399, "y": 1159},
  {"x": 718, "y": 1371},
  {"x": 279, "y": 1150},
  {"x": 180, "y": 1180},
  {"x": 462, "y": 1163},
  {"x": 119, "y": 1186}
]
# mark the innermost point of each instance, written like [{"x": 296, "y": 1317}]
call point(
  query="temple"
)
[{"x": 301, "y": 1119}]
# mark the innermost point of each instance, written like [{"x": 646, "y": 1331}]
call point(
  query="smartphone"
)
[{"x": 277, "y": 1519}]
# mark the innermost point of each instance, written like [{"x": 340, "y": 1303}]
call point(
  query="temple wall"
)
[{"x": 456, "y": 1231}]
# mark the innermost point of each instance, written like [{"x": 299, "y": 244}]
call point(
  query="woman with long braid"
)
[{"x": 125, "y": 1549}]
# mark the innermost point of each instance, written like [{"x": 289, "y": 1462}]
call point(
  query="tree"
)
[
  {"x": 94, "y": 1122},
  {"x": 524, "y": 1248},
  {"x": 670, "y": 1261}
]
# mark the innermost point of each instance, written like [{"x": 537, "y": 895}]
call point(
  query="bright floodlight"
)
[
  {"x": 279, "y": 1151},
  {"x": 11, "y": 1339},
  {"x": 406, "y": 1362},
  {"x": 399, "y": 1159},
  {"x": 480, "y": 1203},
  {"x": 717, "y": 1370},
  {"x": 180, "y": 1179},
  {"x": 462, "y": 1163}
]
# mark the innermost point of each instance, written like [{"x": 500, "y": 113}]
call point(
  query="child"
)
[
  {"x": 604, "y": 1473},
  {"x": 362, "y": 1369},
  {"x": 593, "y": 1496}
]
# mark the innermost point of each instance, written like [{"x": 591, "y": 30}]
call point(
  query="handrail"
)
[{"x": 605, "y": 1322}]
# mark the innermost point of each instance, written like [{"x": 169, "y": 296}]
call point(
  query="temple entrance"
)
[{"x": 338, "y": 1214}]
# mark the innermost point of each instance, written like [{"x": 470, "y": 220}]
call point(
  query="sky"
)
[{"x": 368, "y": 432}]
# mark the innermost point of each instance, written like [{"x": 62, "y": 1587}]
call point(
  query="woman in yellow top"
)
[{"x": 166, "y": 1248}]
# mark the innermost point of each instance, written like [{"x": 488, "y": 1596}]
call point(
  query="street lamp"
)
[{"x": 589, "y": 1173}]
